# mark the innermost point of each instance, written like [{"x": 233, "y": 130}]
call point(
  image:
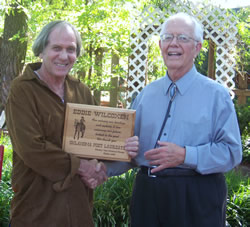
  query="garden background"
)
[{"x": 105, "y": 27}]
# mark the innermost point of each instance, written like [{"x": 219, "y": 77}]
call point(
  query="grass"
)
[{"x": 238, "y": 202}]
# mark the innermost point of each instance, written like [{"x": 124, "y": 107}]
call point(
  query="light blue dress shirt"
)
[{"x": 202, "y": 119}]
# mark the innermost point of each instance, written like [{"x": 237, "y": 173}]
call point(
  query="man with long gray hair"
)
[{"x": 52, "y": 188}]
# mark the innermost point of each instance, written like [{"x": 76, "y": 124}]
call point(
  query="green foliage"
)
[
  {"x": 236, "y": 180},
  {"x": 112, "y": 199},
  {"x": 105, "y": 25},
  {"x": 246, "y": 148},
  {"x": 243, "y": 115},
  {"x": 238, "y": 202},
  {"x": 5, "y": 185},
  {"x": 156, "y": 67},
  {"x": 243, "y": 53},
  {"x": 201, "y": 61}
]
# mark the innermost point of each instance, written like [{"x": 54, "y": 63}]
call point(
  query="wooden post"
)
[
  {"x": 115, "y": 87},
  {"x": 1, "y": 160},
  {"x": 114, "y": 62},
  {"x": 242, "y": 92},
  {"x": 242, "y": 95},
  {"x": 113, "y": 92},
  {"x": 211, "y": 68},
  {"x": 98, "y": 67},
  {"x": 114, "y": 82},
  {"x": 97, "y": 95}
]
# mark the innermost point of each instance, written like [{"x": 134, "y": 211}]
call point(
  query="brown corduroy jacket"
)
[{"x": 47, "y": 190}]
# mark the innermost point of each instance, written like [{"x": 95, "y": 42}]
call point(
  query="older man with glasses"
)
[{"x": 188, "y": 135}]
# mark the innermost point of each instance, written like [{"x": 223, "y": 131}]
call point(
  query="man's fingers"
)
[
  {"x": 132, "y": 154},
  {"x": 91, "y": 183},
  {"x": 93, "y": 161},
  {"x": 132, "y": 139},
  {"x": 98, "y": 167}
]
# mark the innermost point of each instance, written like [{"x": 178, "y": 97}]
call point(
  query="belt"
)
[{"x": 168, "y": 172}]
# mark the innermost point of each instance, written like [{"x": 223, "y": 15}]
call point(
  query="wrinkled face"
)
[
  {"x": 179, "y": 56},
  {"x": 59, "y": 55}
]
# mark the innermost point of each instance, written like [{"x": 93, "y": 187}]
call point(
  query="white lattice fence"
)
[{"x": 219, "y": 26}]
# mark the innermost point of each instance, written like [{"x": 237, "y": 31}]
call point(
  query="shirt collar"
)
[{"x": 183, "y": 83}]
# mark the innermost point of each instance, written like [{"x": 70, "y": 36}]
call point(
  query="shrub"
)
[
  {"x": 238, "y": 201},
  {"x": 5, "y": 185},
  {"x": 112, "y": 199},
  {"x": 243, "y": 115}
]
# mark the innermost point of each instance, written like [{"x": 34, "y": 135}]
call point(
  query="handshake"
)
[{"x": 94, "y": 173}]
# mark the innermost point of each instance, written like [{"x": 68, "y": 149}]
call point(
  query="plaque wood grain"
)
[{"x": 97, "y": 132}]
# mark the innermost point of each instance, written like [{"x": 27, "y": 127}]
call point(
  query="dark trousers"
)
[{"x": 179, "y": 201}]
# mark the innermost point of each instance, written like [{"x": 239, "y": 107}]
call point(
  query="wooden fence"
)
[
  {"x": 242, "y": 80},
  {"x": 242, "y": 92}
]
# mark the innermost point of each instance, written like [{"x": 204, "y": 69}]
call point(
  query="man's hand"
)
[
  {"x": 92, "y": 172},
  {"x": 132, "y": 146},
  {"x": 166, "y": 156}
]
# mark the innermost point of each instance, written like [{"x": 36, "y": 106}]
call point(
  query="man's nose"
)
[
  {"x": 174, "y": 41},
  {"x": 63, "y": 54}
]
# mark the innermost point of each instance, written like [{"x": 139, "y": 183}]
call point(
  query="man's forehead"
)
[
  {"x": 184, "y": 21},
  {"x": 60, "y": 33},
  {"x": 179, "y": 23}
]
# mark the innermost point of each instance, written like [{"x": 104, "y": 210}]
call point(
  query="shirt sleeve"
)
[
  {"x": 224, "y": 152},
  {"x": 117, "y": 168}
]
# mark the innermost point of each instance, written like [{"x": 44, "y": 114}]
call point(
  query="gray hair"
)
[
  {"x": 198, "y": 29},
  {"x": 43, "y": 38}
]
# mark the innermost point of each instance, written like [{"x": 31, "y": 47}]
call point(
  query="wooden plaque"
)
[{"x": 97, "y": 132}]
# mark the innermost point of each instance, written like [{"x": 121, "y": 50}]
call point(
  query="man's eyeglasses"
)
[{"x": 180, "y": 38}]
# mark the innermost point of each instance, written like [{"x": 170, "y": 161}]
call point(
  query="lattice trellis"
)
[{"x": 219, "y": 26}]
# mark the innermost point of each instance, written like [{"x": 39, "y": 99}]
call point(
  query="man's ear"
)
[
  {"x": 198, "y": 47},
  {"x": 160, "y": 44}
]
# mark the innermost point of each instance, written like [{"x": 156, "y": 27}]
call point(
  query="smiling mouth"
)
[
  {"x": 174, "y": 54},
  {"x": 61, "y": 65}
]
